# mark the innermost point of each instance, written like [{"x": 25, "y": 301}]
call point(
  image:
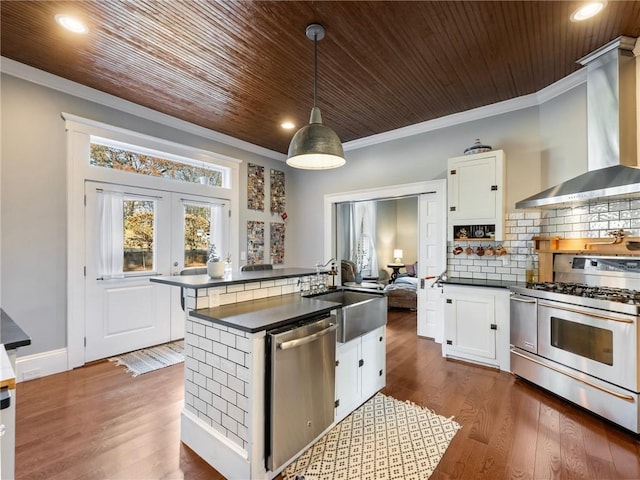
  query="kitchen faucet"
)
[{"x": 319, "y": 265}]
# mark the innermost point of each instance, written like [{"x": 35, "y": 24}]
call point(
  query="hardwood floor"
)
[{"x": 97, "y": 422}]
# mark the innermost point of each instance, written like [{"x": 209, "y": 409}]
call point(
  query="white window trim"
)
[{"x": 79, "y": 133}]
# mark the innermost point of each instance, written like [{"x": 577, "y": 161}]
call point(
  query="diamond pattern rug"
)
[
  {"x": 384, "y": 439},
  {"x": 150, "y": 359}
]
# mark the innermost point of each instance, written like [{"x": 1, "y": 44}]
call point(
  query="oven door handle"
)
[
  {"x": 308, "y": 339},
  {"x": 629, "y": 398},
  {"x": 582, "y": 312}
]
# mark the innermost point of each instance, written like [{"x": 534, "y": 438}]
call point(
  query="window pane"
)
[
  {"x": 197, "y": 228},
  {"x": 126, "y": 160},
  {"x": 139, "y": 235}
]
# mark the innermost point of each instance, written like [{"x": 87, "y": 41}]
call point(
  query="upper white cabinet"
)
[{"x": 476, "y": 196}]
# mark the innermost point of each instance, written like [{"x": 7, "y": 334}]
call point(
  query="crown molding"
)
[
  {"x": 45, "y": 79},
  {"x": 532, "y": 100}
]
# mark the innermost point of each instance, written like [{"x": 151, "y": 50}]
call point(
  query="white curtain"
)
[
  {"x": 111, "y": 235},
  {"x": 217, "y": 234},
  {"x": 363, "y": 230}
]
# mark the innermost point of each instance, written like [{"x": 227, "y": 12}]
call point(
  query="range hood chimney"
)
[{"x": 611, "y": 132}]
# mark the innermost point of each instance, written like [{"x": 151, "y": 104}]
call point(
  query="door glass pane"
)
[
  {"x": 139, "y": 235},
  {"x": 197, "y": 229}
]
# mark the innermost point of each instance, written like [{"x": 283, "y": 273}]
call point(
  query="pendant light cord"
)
[{"x": 315, "y": 68}]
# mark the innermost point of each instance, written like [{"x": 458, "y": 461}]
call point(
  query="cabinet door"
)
[
  {"x": 470, "y": 325},
  {"x": 348, "y": 389},
  {"x": 373, "y": 370},
  {"x": 471, "y": 193}
]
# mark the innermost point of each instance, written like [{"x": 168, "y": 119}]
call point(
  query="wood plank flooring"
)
[{"x": 97, "y": 422}]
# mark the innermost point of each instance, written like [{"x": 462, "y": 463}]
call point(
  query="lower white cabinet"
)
[
  {"x": 360, "y": 370},
  {"x": 476, "y": 325}
]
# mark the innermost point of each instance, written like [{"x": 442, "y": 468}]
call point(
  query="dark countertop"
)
[
  {"x": 11, "y": 335},
  {"x": 266, "y": 313},
  {"x": 476, "y": 282},
  {"x": 204, "y": 281}
]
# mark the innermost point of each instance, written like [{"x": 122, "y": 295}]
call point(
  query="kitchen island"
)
[{"x": 227, "y": 322}]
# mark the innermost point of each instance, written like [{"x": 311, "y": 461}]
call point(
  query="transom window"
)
[{"x": 125, "y": 158}]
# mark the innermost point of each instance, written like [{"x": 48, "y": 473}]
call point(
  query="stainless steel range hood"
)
[{"x": 611, "y": 132}]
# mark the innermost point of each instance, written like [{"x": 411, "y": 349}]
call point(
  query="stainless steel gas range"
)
[{"x": 578, "y": 337}]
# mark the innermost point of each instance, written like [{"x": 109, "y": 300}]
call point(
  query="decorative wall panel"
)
[{"x": 255, "y": 187}]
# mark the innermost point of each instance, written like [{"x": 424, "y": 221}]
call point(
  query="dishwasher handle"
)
[{"x": 308, "y": 339}]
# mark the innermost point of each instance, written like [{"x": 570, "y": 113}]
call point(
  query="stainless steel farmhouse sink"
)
[{"x": 360, "y": 312}]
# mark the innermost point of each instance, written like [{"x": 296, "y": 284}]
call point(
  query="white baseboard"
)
[
  {"x": 219, "y": 452},
  {"x": 41, "y": 364}
]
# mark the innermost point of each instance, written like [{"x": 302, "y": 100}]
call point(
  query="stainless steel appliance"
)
[
  {"x": 578, "y": 336},
  {"x": 301, "y": 381}
]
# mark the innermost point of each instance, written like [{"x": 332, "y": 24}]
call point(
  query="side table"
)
[{"x": 396, "y": 270}]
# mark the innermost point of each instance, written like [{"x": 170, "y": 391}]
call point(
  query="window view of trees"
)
[
  {"x": 120, "y": 159},
  {"x": 197, "y": 227},
  {"x": 138, "y": 235}
]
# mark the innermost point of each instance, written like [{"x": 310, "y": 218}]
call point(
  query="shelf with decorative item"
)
[
  {"x": 484, "y": 232},
  {"x": 617, "y": 243}
]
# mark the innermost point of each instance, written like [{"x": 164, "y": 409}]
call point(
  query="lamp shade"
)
[
  {"x": 315, "y": 146},
  {"x": 397, "y": 253}
]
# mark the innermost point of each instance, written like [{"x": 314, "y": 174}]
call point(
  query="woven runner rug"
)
[
  {"x": 150, "y": 359},
  {"x": 384, "y": 439}
]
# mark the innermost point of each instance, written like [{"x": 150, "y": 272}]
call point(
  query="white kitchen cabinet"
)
[
  {"x": 360, "y": 370},
  {"x": 475, "y": 185},
  {"x": 476, "y": 325}
]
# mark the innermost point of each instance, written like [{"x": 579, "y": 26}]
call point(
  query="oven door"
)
[{"x": 599, "y": 343}]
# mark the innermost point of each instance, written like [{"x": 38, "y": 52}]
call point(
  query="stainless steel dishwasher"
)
[{"x": 301, "y": 380}]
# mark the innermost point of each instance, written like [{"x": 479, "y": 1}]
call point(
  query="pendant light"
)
[{"x": 315, "y": 146}]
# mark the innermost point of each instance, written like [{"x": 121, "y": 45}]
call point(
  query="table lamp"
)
[{"x": 397, "y": 253}]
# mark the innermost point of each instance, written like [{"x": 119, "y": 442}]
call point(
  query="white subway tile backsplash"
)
[
  {"x": 598, "y": 207},
  {"x": 228, "y": 298}
]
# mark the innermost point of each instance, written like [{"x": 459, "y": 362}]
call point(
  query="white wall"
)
[
  {"x": 33, "y": 188},
  {"x": 33, "y": 223}
]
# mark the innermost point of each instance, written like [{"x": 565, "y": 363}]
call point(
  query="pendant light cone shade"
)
[{"x": 315, "y": 146}]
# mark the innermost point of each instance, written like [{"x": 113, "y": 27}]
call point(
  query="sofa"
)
[{"x": 403, "y": 292}]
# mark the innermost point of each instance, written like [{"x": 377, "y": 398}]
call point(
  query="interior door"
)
[
  {"x": 128, "y": 240},
  {"x": 431, "y": 262}
]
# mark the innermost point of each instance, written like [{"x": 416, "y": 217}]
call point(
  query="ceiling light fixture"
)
[
  {"x": 288, "y": 125},
  {"x": 587, "y": 10},
  {"x": 72, "y": 24},
  {"x": 315, "y": 146}
]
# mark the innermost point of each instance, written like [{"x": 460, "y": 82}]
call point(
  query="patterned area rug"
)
[
  {"x": 384, "y": 439},
  {"x": 150, "y": 359}
]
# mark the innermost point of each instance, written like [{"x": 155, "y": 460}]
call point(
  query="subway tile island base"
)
[{"x": 226, "y": 409}]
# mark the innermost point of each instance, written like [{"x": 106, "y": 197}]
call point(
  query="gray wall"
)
[
  {"x": 537, "y": 141},
  {"x": 33, "y": 200}
]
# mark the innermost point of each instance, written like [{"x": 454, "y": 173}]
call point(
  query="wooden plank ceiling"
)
[{"x": 241, "y": 67}]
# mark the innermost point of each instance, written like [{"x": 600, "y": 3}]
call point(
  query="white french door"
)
[{"x": 132, "y": 234}]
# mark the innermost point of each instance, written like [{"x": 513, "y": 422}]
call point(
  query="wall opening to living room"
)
[{"x": 430, "y": 200}]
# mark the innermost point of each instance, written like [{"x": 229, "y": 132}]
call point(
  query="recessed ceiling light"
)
[
  {"x": 288, "y": 125},
  {"x": 72, "y": 24},
  {"x": 587, "y": 10}
]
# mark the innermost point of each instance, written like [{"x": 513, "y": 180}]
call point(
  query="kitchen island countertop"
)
[
  {"x": 274, "y": 312},
  {"x": 11, "y": 335},
  {"x": 233, "y": 278}
]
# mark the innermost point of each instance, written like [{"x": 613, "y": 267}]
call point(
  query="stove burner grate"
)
[{"x": 611, "y": 294}]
